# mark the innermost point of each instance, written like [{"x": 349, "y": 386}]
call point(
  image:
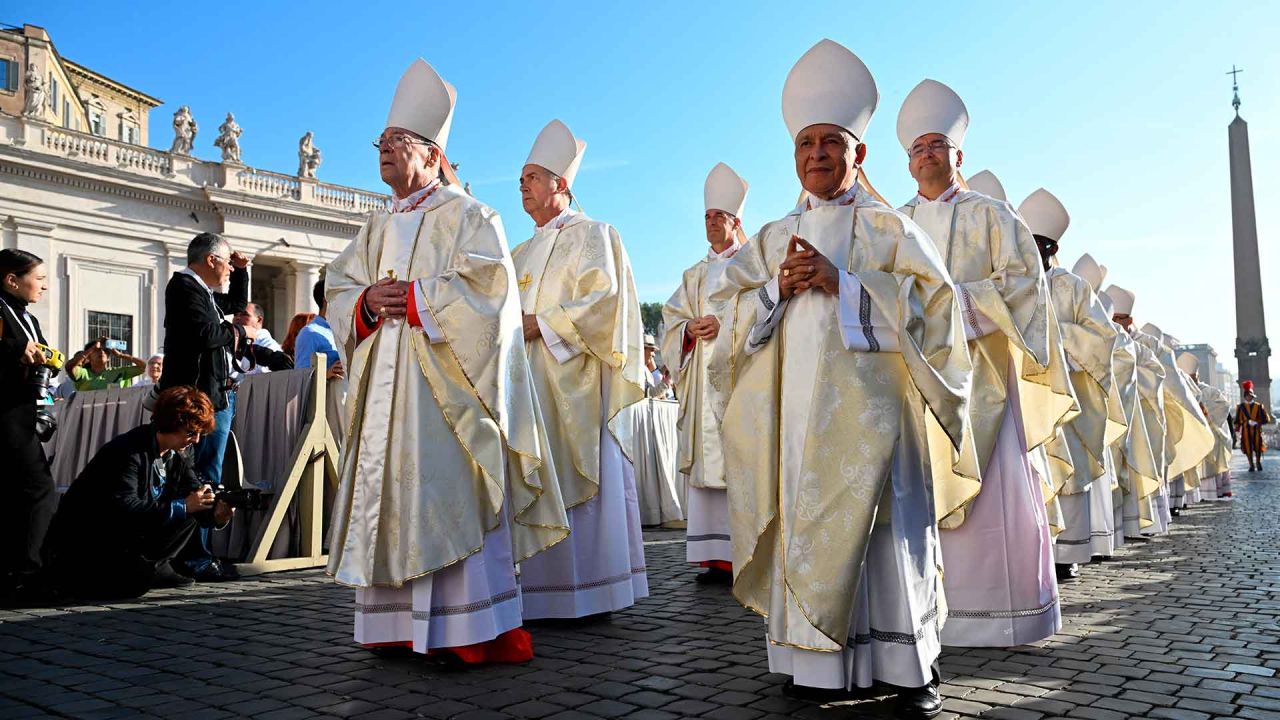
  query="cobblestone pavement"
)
[{"x": 1184, "y": 626}]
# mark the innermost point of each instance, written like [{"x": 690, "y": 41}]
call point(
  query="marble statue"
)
[
  {"x": 308, "y": 156},
  {"x": 229, "y": 140},
  {"x": 35, "y": 93},
  {"x": 184, "y": 131}
]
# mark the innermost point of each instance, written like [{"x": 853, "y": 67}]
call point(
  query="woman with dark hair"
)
[
  {"x": 136, "y": 504},
  {"x": 27, "y": 495}
]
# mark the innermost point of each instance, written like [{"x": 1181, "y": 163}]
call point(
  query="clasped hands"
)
[
  {"x": 706, "y": 328},
  {"x": 805, "y": 268},
  {"x": 388, "y": 298}
]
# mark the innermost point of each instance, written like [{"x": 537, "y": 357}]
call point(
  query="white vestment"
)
[
  {"x": 600, "y": 567},
  {"x": 1001, "y": 589},
  {"x": 894, "y": 634}
]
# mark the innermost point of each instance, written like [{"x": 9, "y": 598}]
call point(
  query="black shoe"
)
[
  {"x": 714, "y": 576},
  {"x": 1175, "y": 512},
  {"x": 923, "y": 702},
  {"x": 215, "y": 571},
  {"x": 167, "y": 577},
  {"x": 1067, "y": 571}
]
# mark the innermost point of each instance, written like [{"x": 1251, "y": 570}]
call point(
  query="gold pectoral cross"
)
[{"x": 524, "y": 281}]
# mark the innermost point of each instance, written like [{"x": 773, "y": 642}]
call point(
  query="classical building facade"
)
[{"x": 112, "y": 217}]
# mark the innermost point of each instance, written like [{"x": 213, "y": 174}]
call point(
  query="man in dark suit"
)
[
  {"x": 135, "y": 505},
  {"x": 199, "y": 347}
]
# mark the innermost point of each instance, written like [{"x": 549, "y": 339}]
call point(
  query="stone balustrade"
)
[{"x": 40, "y": 137}]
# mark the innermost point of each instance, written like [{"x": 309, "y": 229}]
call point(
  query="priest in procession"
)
[
  {"x": 997, "y": 551},
  {"x": 1216, "y": 407},
  {"x": 445, "y": 478},
  {"x": 585, "y": 344},
  {"x": 1149, "y": 376},
  {"x": 692, "y": 334},
  {"x": 1089, "y": 338},
  {"x": 832, "y": 484}
]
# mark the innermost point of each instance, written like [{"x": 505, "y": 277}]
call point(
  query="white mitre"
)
[
  {"x": 829, "y": 85},
  {"x": 1088, "y": 268},
  {"x": 1188, "y": 363},
  {"x": 932, "y": 107},
  {"x": 724, "y": 190},
  {"x": 988, "y": 184},
  {"x": 1044, "y": 214},
  {"x": 423, "y": 103},
  {"x": 1121, "y": 299},
  {"x": 557, "y": 150},
  {"x": 1154, "y": 331}
]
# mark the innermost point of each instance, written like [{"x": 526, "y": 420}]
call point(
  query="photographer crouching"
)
[
  {"x": 136, "y": 504},
  {"x": 27, "y": 495}
]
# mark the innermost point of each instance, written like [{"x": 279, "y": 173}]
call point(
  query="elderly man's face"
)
[
  {"x": 719, "y": 225},
  {"x": 827, "y": 159},
  {"x": 248, "y": 317},
  {"x": 155, "y": 368},
  {"x": 402, "y": 156},
  {"x": 933, "y": 158},
  {"x": 538, "y": 188}
]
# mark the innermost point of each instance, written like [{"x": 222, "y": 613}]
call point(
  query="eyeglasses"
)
[
  {"x": 395, "y": 142},
  {"x": 219, "y": 258},
  {"x": 932, "y": 146}
]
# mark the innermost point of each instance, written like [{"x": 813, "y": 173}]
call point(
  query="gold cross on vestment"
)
[{"x": 524, "y": 281}]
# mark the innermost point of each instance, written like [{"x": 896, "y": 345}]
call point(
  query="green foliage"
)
[{"x": 651, "y": 316}]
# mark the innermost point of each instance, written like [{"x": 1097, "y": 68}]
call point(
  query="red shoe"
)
[{"x": 512, "y": 646}]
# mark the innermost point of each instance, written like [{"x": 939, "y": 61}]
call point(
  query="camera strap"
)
[{"x": 27, "y": 329}]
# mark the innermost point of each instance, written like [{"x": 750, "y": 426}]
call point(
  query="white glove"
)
[{"x": 1253, "y": 423}]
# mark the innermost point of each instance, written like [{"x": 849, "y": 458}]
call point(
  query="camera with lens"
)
[
  {"x": 247, "y": 498},
  {"x": 40, "y": 377}
]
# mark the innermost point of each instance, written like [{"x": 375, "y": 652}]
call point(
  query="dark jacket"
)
[
  {"x": 197, "y": 337},
  {"x": 17, "y": 393},
  {"x": 120, "y": 496}
]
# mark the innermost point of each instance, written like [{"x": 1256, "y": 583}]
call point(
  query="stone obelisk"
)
[{"x": 1253, "y": 352}]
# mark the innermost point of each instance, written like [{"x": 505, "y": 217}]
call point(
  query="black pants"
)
[
  {"x": 119, "y": 572},
  {"x": 27, "y": 496}
]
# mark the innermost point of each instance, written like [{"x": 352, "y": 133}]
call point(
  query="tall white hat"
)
[
  {"x": 1188, "y": 363},
  {"x": 1121, "y": 299},
  {"x": 1089, "y": 269},
  {"x": 423, "y": 103},
  {"x": 724, "y": 190},
  {"x": 1044, "y": 214},
  {"x": 829, "y": 85},
  {"x": 1154, "y": 331},
  {"x": 932, "y": 107},
  {"x": 1107, "y": 303},
  {"x": 988, "y": 184},
  {"x": 557, "y": 150}
]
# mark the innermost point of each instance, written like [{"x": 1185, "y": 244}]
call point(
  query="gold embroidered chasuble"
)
[
  {"x": 1216, "y": 409},
  {"x": 1089, "y": 338},
  {"x": 702, "y": 378},
  {"x": 863, "y": 406},
  {"x": 441, "y": 434},
  {"x": 1137, "y": 469},
  {"x": 995, "y": 265},
  {"x": 1188, "y": 439},
  {"x": 576, "y": 278}
]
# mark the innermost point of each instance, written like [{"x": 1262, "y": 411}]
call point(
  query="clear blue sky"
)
[{"x": 1119, "y": 108}]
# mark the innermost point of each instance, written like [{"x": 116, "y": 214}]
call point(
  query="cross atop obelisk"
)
[
  {"x": 1235, "y": 88},
  {"x": 1253, "y": 350}
]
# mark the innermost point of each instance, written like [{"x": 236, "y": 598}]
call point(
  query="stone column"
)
[
  {"x": 304, "y": 278},
  {"x": 1253, "y": 351}
]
